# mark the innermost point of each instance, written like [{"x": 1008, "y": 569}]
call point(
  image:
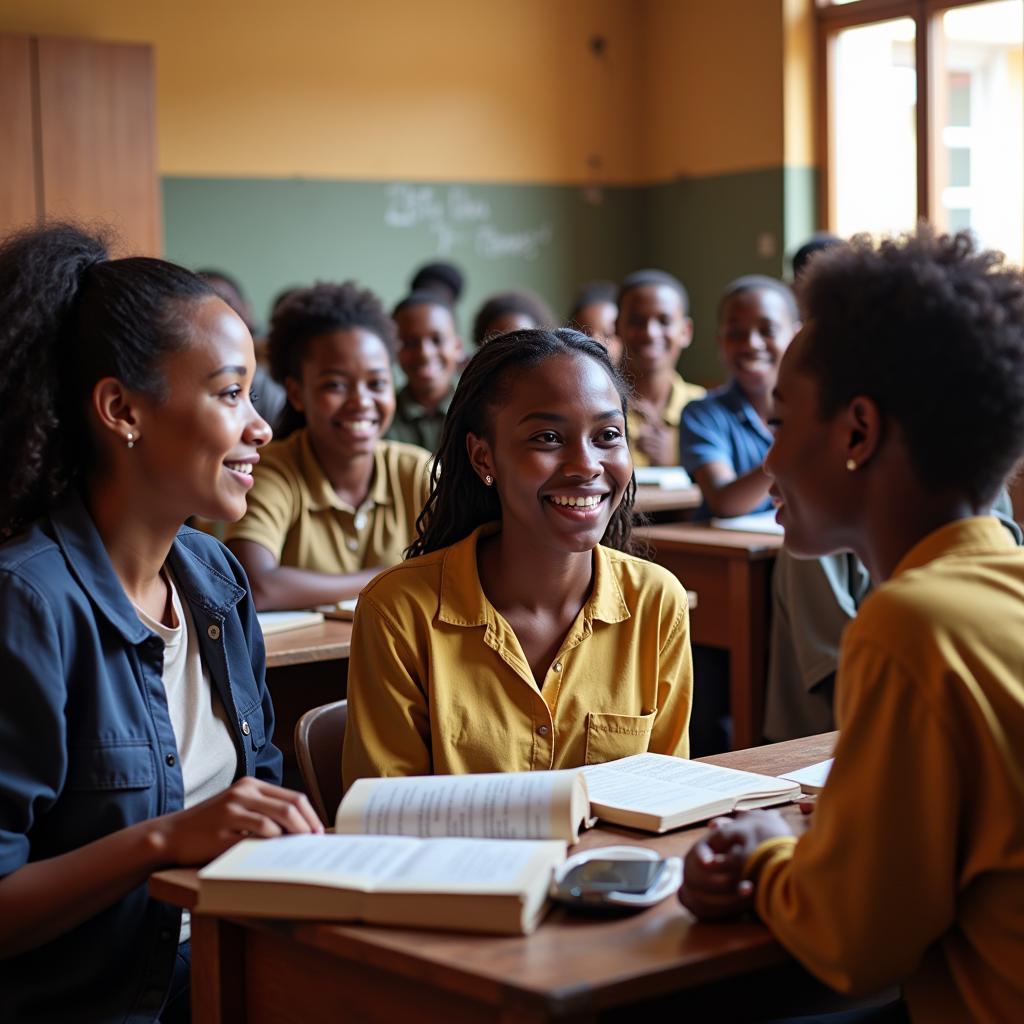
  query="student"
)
[
  {"x": 724, "y": 437},
  {"x": 332, "y": 504},
  {"x": 654, "y": 329},
  {"x": 429, "y": 353},
  {"x": 912, "y": 870},
  {"x": 510, "y": 311},
  {"x": 594, "y": 312},
  {"x": 135, "y": 726},
  {"x": 524, "y": 636}
]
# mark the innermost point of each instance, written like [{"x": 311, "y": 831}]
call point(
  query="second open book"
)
[{"x": 652, "y": 792}]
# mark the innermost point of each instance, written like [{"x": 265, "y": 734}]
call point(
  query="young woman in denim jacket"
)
[{"x": 135, "y": 723}]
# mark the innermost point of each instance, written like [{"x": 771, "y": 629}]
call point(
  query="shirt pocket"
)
[
  {"x": 111, "y": 765},
  {"x": 610, "y": 737}
]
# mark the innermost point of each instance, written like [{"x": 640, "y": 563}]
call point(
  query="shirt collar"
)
[
  {"x": 738, "y": 402},
  {"x": 322, "y": 495},
  {"x": 463, "y": 603},
  {"x": 412, "y": 410},
  {"x": 89, "y": 563},
  {"x": 976, "y": 535}
]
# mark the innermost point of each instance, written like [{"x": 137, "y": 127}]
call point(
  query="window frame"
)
[{"x": 833, "y": 18}]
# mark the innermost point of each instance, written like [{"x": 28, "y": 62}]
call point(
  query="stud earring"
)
[
  {"x": 131, "y": 439},
  {"x": 851, "y": 465},
  {"x": 488, "y": 479}
]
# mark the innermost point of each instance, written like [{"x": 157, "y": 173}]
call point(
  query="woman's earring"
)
[
  {"x": 488, "y": 479},
  {"x": 131, "y": 439},
  {"x": 851, "y": 465}
]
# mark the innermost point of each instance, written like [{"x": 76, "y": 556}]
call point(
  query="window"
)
[{"x": 925, "y": 117}]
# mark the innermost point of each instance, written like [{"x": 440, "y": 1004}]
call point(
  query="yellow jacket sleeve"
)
[
  {"x": 873, "y": 883},
  {"x": 388, "y": 728},
  {"x": 670, "y": 734}
]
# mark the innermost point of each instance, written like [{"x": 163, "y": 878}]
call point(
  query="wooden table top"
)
[
  {"x": 704, "y": 539},
  {"x": 324, "y": 641},
  {"x": 650, "y": 499},
  {"x": 573, "y": 962}
]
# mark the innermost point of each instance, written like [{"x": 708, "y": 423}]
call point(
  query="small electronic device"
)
[{"x": 592, "y": 880}]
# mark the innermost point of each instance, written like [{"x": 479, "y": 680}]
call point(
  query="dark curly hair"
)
[
  {"x": 523, "y": 302},
  {"x": 459, "y": 501},
  {"x": 70, "y": 316},
  {"x": 653, "y": 279},
  {"x": 931, "y": 329},
  {"x": 309, "y": 312}
]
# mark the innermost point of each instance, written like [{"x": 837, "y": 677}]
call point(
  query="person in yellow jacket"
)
[
  {"x": 899, "y": 413},
  {"x": 524, "y": 636}
]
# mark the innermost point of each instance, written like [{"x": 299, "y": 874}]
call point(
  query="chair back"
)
[{"x": 318, "y": 738}]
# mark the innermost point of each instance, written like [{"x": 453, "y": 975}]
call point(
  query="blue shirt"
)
[
  {"x": 723, "y": 427},
  {"x": 87, "y": 747}
]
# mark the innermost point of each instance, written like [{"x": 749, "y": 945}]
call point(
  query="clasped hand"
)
[{"x": 714, "y": 888}]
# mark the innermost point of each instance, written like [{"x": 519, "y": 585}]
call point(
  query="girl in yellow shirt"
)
[
  {"x": 523, "y": 635},
  {"x": 899, "y": 412}
]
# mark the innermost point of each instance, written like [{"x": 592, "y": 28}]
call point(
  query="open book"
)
[
  {"x": 513, "y": 805},
  {"x": 479, "y": 885},
  {"x": 656, "y": 793},
  {"x": 341, "y": 610}
]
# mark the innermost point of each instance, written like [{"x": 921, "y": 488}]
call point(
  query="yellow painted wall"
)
[
  {"x": 799, "y": 82},
  {"x": 466, "y": 90},
  {"x": 712, "y": 78}
]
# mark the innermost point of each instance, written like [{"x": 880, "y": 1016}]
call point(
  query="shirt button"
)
[
  {"x": 170, "y": 759},
  {"x": 360, "y": 521},
  {"x": 213, "y": 632},
  {"x": 542, "y": 730},
  {"x": 557, "y": 666},
  {"x": 352, "y": 544},
  {"x": 245, "y": 728}
]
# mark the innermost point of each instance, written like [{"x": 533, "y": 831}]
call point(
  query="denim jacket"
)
[{"x": 87, "y": 747}]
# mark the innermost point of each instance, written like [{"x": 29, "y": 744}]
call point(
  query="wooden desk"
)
[
  {"x": 731, "y": 571},
  {"x": 305, "y": 668},
  {"x": 656, "y": 965},
  {"x": 653, "y": 500}
]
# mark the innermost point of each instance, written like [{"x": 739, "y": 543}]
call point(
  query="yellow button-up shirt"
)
[
  {"x": 294, "y": 512},
  {"x": 438, "y": 682},
  {"x": 681, "y": 393},
  {"x": 913, "y": 868}
]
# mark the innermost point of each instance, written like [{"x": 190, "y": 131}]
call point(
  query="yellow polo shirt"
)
[
  {"x": 680, "y": 394},
  {"x": 438, "y": 682},
  {"x": 294, "y": 512},
  {"x": 913, "y": 868}
]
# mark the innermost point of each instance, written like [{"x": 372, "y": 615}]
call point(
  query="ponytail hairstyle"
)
[
  {"x": 69, "y": 316},
  {"x": 459, "y": 501}
]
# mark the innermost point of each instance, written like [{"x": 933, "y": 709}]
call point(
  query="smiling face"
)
[
  {"x": 653, "y": 328},
  {"x": 345, "y": 392},
  {"x": 429, "y": 350},
  {"x": 557, "y": 452},
  {"x": 755, "y": 328},
  {"x": 816, "y": 495},
  {"x": 197, "y": 446}
]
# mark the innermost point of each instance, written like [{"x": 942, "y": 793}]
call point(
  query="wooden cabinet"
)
[{"x": 78, "y": 134}]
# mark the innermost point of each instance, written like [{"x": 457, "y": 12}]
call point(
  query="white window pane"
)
[
  {"x": 978, "y": 148},
  {"x": 874, "y": 128}
]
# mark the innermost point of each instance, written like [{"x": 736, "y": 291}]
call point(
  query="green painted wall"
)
[{"x": 275, "y": 233}]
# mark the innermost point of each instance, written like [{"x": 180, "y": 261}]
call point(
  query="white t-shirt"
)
[{"x": 206, "y": 748}]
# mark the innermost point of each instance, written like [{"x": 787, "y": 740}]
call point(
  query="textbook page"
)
[
  {"x": 509, "y": 805},
  {"x": 811, "y": 779},
  {"x": 385, "y": 863},
  {"x": 660, "y": 784}
]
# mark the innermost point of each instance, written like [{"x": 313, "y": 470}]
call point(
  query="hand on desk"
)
[
  {"x": 713, "y": 884},
  {"x": 250, "y": 807}
]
